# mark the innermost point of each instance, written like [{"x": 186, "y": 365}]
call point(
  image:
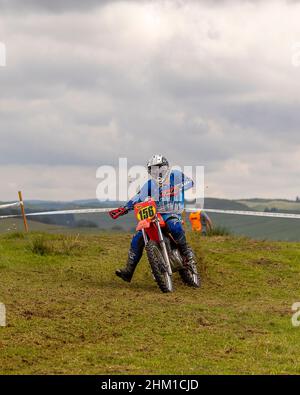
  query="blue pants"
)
[{"x": 174, "y": 224}]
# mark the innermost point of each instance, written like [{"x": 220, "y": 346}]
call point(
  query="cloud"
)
[
  {"x": 52, "y": 183},
  {"x": 48, "y": 6},
  {"x": 208, "y": 83}
]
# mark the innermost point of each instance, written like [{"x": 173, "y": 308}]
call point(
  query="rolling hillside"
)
[
  {"x": 280, "y": 205},
  {"x": 257, "y": 228}
]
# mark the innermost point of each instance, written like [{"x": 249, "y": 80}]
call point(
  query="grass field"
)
[
  {"x": 68, "y": 313},
  {"x": 260, "y": 228}
]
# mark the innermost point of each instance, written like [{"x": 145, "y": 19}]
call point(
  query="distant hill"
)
[
  {"x": 279, "y": 204},
  {"x": 260, "y": 228},
  {"x": 225, "y": 204}
]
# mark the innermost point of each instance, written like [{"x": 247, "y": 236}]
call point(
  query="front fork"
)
[
  {"x": 163, "y": 246},
  {"x": 145, "y": 236}
]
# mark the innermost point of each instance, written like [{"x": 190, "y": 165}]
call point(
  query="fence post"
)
[{"x": 23, "y": 211}]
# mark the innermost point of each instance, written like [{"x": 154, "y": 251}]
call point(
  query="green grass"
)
[
  {"x": 218, "y": 231},
  {"x": 68, "y": 313},
  {"x": 260, "y": 228},
  {"x": 13, "y": 225}
]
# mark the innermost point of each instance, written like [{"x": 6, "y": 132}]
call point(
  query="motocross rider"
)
[{"x": 167, "y": 188}]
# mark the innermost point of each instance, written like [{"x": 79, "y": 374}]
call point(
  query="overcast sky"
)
[{"x": 205, "y": 83}]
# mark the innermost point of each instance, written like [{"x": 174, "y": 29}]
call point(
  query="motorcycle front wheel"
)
[{"x": 158, "y": 267}]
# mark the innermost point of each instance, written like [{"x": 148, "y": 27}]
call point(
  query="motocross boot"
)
[
  {"x": 186, "y": 251},
  {"x": 127, "y": 273}
]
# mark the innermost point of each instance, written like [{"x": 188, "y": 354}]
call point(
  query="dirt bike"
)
[{"x": 162, "y": 252}]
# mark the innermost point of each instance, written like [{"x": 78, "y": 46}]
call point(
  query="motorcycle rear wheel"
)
[
  {"x": 190, "y": 277},
  {"x": 157, "y": 263}
]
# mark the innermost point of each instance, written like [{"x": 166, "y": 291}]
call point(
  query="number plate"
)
[{"x": 145, "y": 210}]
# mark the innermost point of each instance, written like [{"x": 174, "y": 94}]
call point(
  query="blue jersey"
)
[{"x": 169, "y": 196}]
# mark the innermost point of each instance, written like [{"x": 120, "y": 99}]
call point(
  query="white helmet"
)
[{"x": 158, "y": 167}]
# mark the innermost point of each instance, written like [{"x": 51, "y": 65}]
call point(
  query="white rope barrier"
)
[
  {"x": 105, "y": 210},
  {"x": 9, "y": 216},
  {"x": 16, "y": 204},
  {"x": 250, "y": 213},
  {"x": 75, "y": 211},
  {"x": 59, "y": 212}
]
